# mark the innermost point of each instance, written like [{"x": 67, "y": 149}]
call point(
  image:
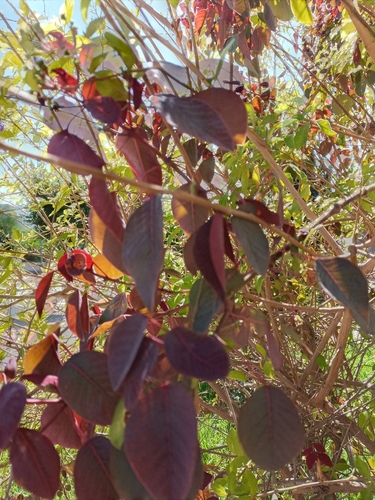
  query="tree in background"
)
[{"x": 225, "y": 267}]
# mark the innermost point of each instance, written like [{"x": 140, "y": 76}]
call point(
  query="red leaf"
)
[
  {"x": 163, "y": 457},
  {"x": 142, "y": 252},
  {"x": 105, "y": 205},
  {"x": 137, "y": 92},
  {"x": 41, "y": 292},
  {"x": 58, "y": 424},
  {"x": 35, "y": 463},
  {"x": 273, "y": 349},
  {"x": 78, "y": 262},
  {"x": 12, "y": 404},
  {"x": 196, "y": 355},
  {"x": 123, "y": 344},
  {"x": 85, "y": 318},
  {"x": 104, "y": 109},
  {"x": 133, "y": 145},
  {"x": 319, "y": 447},
  {"x": 307, "y": 451},
  {"x": 324, "y": 458},
  {"x": 66, "y": 80},
  {"x": 85, "y": 386},
  {"x": 73, "y": 314},
  {"x": 142, "y": 366},
  {"x": 262, "y": 211},
  {"x": 311, "y": 459},
  {"x": 199, "y": 20},
  {"x": 72, "y": 148},
  {"x": 61, "y": 267},
  {"x": 205, "y": 255},
  {"x": 92, "y": 476},
  {"x": 89, "y": 89}
]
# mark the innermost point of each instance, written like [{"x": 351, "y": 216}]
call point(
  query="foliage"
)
[{"x": 205, "y": 239}]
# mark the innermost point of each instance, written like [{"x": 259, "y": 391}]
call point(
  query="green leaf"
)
[
  {"x": 289, "y": 141},
  {"x": 344, "y": 281},
  {"x": 24, "y": 8},
  {"x": 85, "y": 4},
  {"x": 234, "y": 444},
  {"x": 301, "y": 135},
  {"x": 122, "y": 48},
  {"x": 218, "y": 487},
  {"x": 94, "y": 26},
  {"x": 325, "y": 127},
  {"x": 97, "y": 61},
  {"x": 237, "y": 375},
  {"x": 112, "y": 87},
  {"x": 302, "y": 11},
  {"x": 281, "y": 9},
  {"x": 66, "y": 11},
  {"x": 117, "y": 428},
  {"x": 174, "y": 3},
  {"x": 362, "y": 467}
]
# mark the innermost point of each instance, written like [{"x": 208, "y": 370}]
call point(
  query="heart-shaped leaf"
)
[
  {"x": 196, "y": 355},
  {"x": 35, "y": 463},
  {"x": 270, "y": 429},
  {"x": 84, "y": 385},
  {"x": 123, "y": 344},
  {"x": 12, "y": 404},
  {"x": 142, "y": 250},
  {"x": 161, "y": 442}
]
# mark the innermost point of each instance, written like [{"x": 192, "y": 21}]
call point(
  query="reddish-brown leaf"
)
[
  {"x": 199, "y": 20},
  {"x": 217, "y": 247},
  {"x": 142, "y": 251},
  {"x": 161, "y": 442},
  {"x": 105, "y": 205},
  {"x": 41, "y": 292},
  {"x": 85, "y": 386},
  {"x": 142, "y": 366},
  {"x": 59, "y": 425},
  {"x": 72, "y": 148},
  {"x": 12, "y": 404},
  {"x": 196, "y": 355},
  {"x": 134, "y": 146},
  {"x": 104, "y": 109},
  {"x": 123, "y": 344},
  {"x": 189, "y": 215},
  {"x": 35, "y": 463},
  {"x": 73, "y": 314},
  {"x": 210, "y": 258},
  {"x": 10, "y": 369}
]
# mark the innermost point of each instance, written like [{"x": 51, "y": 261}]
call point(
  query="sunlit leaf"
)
[
  {"x": 35, "y": 463},
  {"x": 161, "y": 441},
  {"x": 42, "y": 358},
  {"x": 301, "y": 10},
  {"x": 270, "y": 429},
  {"x": 190, "y": 216},
  {"x": 72, "y": 148},
  {"x": 142, "y": 250},
  {"x": 103, "y": 267},
  {"x": 42, "y": 290},
  {"x": 133, "y": 145},
  {"x": 281, "y": 9},
  {"x": 122, "y": 48}
]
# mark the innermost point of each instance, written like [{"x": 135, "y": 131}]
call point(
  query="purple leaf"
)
[
  {"x": 35, "y": 463},
  {"x": 42, "y": 290},
  {"x": 196, "y": 355},
  {"x": 161, "y": 442},
  {"x": 104, "y": 109},
  {"x": 72, "y": 148},
  {"x": 123, "y": 344},
  {"x": 142, "y": 252},
  {"x": 58, "y": 424},
  {"x": 12, "y": 404}
]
